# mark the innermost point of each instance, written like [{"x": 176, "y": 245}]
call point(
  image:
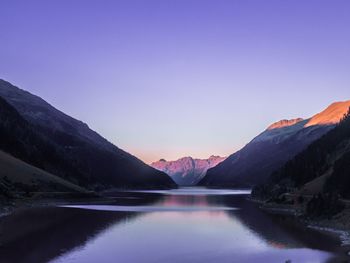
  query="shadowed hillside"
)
[
  {"x": 37, "y": 133},
  {"x": 271, "y": 149},
  {"x": 324, "y": 167}
]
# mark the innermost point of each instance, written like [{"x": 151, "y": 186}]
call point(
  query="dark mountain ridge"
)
[
  {"x": 324, "y": 167},
  {"x": 47, "y": 138},
  {"x": 272, "y": 148}
]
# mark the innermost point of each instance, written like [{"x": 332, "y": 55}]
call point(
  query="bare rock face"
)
[
  {"x": 284, "y": 123},
  {"x": 272, "y": 148},
  {"x": 187, "y": 171},
  {"x": 331, "y": 115}
]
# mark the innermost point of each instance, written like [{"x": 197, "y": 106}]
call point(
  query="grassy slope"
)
[{"x": 18, "y": 175}]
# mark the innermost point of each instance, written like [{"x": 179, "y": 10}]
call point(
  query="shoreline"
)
[
  {"x": 337, "y": 226},
  {"x": 340, "y": 237},
  {"x": 10, "y": 206}
]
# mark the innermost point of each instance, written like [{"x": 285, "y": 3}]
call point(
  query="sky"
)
[{"x": 173, "y": 78}]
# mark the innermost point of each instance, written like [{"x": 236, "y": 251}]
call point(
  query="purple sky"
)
[{"x": 166, "y": 79}]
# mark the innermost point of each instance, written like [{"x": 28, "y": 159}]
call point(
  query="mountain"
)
[
  {"x": 272, "y": 148},
  {"x": 187, "y": 171},
  {"x": 23, "y": 150},
  {"x": 37, "y": 133},
  {"x": 323, "y": 167}
]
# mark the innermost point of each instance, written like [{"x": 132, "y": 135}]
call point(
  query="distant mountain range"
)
[
  {"x": 272, "y": 148},
  {"x": 36, "y": 133},
  {"x": 187, "y": 171}
]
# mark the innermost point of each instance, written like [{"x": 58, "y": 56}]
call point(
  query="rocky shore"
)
[{"x": 337, "y": 225}]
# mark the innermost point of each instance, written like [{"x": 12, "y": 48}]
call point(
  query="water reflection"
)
[
  {"x": 179, "y": 227},
  {"x": 39, "y": 235},
  {"x": 278, "y": 231}
]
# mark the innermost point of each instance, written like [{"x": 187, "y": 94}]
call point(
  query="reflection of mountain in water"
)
[
  {"x": 41, "y": 234},
  {"x": 278, "y": 231}
]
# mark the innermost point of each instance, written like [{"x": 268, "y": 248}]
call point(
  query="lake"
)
[{"x": 182, "y": 225}]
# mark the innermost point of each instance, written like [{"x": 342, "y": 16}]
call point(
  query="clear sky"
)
[{"x": 173, "y": 78}]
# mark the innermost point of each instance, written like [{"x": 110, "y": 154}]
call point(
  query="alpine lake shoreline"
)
[{"x": 336, "y": 226}]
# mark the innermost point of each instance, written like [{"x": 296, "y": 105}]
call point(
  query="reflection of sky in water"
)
[
  {"x": 121, "y": 208},
  {"x": 197, "y": 191},
  {"x": 184, "y": 236}
]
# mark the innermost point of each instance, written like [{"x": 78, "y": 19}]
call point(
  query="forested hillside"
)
[{"x": 325, "y": 162}]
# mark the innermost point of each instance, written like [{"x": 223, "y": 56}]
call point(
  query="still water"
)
[{"x": 183, "y": 225}]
